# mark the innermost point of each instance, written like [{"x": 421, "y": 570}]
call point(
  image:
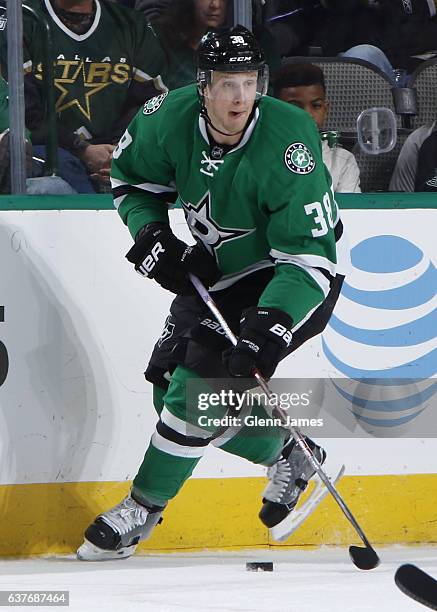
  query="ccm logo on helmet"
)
[
  {"x": 244, "y": 58},
  {"x": 150, "y": 261}
]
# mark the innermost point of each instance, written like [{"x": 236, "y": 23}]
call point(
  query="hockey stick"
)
[
  {"x": 364, "y": 558},
  {"x": 417, "y": 584}
]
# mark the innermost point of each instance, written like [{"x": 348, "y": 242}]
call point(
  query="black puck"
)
[{"x": 262, "y": 566}]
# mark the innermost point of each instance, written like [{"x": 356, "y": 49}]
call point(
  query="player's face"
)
[
  {"x": 210, "y": 13},
  {"x": 229, "y": 99},
  {"x": 309, "y": 97}
]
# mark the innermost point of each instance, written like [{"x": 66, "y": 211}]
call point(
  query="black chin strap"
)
[{"x": 204, "y": 114}]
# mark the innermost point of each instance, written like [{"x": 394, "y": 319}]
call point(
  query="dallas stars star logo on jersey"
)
[
  {"x": 203, "y": 226},
  {"x": 298, "y": 158},
  {"x": 77, "y": 96},
  {"x": 152, "y": 105}
]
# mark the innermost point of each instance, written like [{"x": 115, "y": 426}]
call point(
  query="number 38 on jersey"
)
[{"x": 322, "y": 216}]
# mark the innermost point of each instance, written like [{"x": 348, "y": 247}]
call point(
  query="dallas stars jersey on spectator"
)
[
  {"x": 93, "y": 71},
  {"x": 266, "y": 202}
]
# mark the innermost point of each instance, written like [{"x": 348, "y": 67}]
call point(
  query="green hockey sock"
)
[
  {"x": 179, "y": 442},
  {"x": 170, "y": 458},
  {"x": 161, "y": 476},
  {"x": 259, "y": 441},
  {"x": 158, "y": 398}
]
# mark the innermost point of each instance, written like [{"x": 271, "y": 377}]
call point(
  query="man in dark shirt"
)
[{"x": 416, "y": 168}]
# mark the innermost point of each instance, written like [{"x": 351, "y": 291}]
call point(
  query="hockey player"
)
[{"x": 248, "y": 172}]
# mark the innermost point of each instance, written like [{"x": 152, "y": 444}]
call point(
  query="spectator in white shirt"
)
[{"x": 304, "y": 86}]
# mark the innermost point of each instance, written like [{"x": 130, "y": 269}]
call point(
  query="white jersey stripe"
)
[
  {"x": 153, "y": 187},
  {"x": 432, "y": 8},
  {"x": 117, "y": 183},
  {"x": 344, "y": 264},
  {"x": 70, "y": 33},
  {"x": 159, "y": 83},
  {"x": 118, "y": 201},
  {"x": 321, "y": 280},
  {"x": 139, "y": 73},
  {"x": 312, "y": 261}
]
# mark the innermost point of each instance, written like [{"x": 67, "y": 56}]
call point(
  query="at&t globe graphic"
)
[{"x": 382, "y": 336}]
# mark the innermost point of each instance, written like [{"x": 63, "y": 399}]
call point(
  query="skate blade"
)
[
  {"x": 90, "y": 552},
  {"x": 283, "y": 530}
]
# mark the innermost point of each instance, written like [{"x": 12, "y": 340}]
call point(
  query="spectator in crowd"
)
[
  {"x": 101, "y": 67},
  {"x": 174, "y": 36},
  {"x": 377, "y": 57},
  {"x": 34, "y": 168},
  {"x": 390, "y": 33},
  {"x": 408, "y": 31},
  {"x": 304, "y": 86},
  {"x": 416, "y": 167}
]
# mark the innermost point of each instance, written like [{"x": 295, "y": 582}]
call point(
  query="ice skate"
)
[
  {"x": 288, "y": 478},
  {"x": 116, "y": 533}
]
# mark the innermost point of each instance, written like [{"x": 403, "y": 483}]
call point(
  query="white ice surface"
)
[{"x": 321, "y": 580}]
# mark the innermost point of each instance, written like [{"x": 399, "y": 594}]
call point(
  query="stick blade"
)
[
  {"x": 418, "y": 585},
  {"x": 365, "y": 558}
]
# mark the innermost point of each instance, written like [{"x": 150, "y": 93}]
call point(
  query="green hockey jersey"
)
[
  {"x": 266, "y": 202},
  {"x": 93, "y": 71}
]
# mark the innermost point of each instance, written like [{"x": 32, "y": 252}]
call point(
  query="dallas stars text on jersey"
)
[{"x": 267, "y": 202}]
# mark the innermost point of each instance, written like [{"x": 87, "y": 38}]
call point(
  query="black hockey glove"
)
[
  {"x": 158, "y": 254},
  {"x": 264, "y": 339}
]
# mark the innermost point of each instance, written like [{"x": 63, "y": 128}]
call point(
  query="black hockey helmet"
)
[{"x": 231, "y": 50}]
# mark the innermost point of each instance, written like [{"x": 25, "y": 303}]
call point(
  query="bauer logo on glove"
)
[
  {"x": 149, "y": 263},
  {"x": 158, "y": 254},
  {"x": 264, "y": 339},
  {"x": 282, "y": 331}
]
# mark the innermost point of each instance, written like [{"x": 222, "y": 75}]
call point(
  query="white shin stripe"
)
[
  {"x": 171, "y": 448},
  {"x": 181, "y": 426}
]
